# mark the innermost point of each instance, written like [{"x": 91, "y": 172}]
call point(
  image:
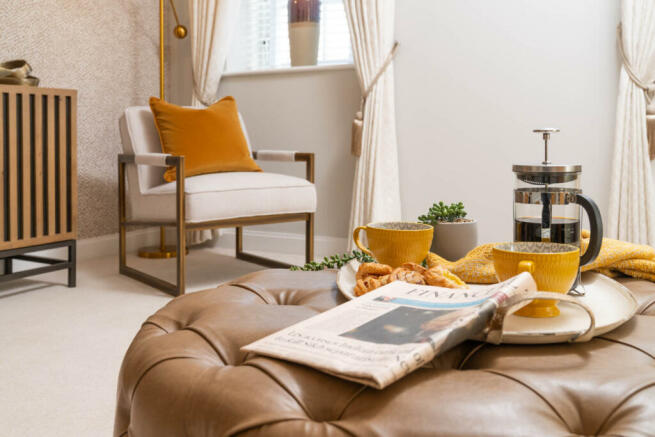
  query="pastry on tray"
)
[{"x": 374, "y": 275}]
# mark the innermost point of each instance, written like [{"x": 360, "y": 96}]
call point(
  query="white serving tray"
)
[{"x": 611, "y": 303}]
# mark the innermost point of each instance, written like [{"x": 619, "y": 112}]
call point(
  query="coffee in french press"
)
[{"x": 547, "y": 201}]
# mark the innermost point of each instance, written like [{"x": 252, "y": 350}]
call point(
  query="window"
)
[{"x": 261, "y": 40}]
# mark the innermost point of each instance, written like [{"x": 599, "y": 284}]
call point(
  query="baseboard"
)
[
  {"x": 282, "y": 242},
  {"x": 105, "y": 245},
  {"x": 257, "y": 241}
]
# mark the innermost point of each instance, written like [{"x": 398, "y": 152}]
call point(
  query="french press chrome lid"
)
[{"x": 546, "y": 173}]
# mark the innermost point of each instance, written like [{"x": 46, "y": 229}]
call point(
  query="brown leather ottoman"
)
[{"x": 184, "y": 375}]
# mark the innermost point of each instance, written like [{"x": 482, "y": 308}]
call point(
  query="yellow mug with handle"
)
[
  {"x": 554, "y": 267},
  {"x": 395, "y": 243}
]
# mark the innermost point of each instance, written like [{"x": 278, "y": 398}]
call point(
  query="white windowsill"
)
[{"x": 288, "y": 70}]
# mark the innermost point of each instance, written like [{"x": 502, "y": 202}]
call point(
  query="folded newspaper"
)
[{"x": 382, "y": 336}]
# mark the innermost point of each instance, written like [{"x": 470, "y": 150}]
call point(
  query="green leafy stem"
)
[{"x": 334, "y": 261}]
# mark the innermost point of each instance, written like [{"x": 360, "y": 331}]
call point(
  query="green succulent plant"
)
[
  {"x": 440, "y": 212},
  {"x": 334, "y": 262}
]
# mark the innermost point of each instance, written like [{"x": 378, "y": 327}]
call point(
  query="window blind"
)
[{"x": 261, "y": 40}]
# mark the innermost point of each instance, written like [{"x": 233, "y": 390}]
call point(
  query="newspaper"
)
[{"x": 382, "y": 336}]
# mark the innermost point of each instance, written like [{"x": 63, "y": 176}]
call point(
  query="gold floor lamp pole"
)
[{"x": 163, "y": 251}]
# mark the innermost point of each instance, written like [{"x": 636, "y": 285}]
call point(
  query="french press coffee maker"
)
[{"x": 547, "y": 201}]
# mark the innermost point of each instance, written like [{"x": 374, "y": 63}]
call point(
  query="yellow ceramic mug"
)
[
  {"x": 395, "y": 243},
  {"x": 554, "y": 267}
]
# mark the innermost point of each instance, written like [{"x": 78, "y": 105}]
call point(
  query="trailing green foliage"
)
[
  {"x": 334, "y": 261},
  {"x": 440, "y": 212}
]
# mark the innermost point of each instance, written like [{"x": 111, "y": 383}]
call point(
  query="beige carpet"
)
[{"x": 61, "y": 348}]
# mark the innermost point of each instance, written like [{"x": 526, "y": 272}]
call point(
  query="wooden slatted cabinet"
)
[{"x": 38, "y": 180}]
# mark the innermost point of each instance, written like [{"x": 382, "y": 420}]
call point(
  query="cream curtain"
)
[
  {"x": 212, "y": 26},
  {"x": 632, "y": 202},
  {"x": 376, "y": 191}
]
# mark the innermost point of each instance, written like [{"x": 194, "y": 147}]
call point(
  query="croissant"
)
[
  {"x": 372, "y": 269},
  {"x": 415, "y": 268},
  {"x": 365, "y": 285},
  {"x": 374, "y": 275},
  {"x": 439, "y": 276},
  {"x": 406, "y": 275}
]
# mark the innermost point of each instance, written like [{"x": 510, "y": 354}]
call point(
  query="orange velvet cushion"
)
[{"x": 211, "y": 140}]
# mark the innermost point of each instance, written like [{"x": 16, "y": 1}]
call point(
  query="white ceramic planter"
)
[
  {"x": 454, "y": 240},
  {"x": 303, "y": 42}
]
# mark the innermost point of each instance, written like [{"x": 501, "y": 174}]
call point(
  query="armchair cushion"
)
[
  {"x": 220, "y": 196},
  {"x": 139, "y": 136},
  {"x": 211, "y": 139}
]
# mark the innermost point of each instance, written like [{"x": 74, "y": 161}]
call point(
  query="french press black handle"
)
[{"x": 596, "y": 223}]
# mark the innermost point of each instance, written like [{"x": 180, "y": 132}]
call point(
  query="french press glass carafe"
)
[{"x": 547, "y": 201}]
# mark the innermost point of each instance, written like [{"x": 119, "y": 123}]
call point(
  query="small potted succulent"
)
[
  {"x": 304, "y": 31},
  {"x": 454, "y": 234}
]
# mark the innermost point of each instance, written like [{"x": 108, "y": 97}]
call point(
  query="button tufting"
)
[{"x": 184, "y": 374}]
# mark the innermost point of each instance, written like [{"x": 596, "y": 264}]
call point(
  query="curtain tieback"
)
[
  {"x": 358, "y": 121},
  {"x": 647, "y": 87},
  {"x": 198, "y": 94}
]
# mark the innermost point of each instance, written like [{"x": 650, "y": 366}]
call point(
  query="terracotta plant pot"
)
[
  {"x": 453, "y": 240},
  {"x": 304, "y": 31}
]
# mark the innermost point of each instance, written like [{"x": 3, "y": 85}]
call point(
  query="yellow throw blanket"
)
[{"x": 615, "y": 257}]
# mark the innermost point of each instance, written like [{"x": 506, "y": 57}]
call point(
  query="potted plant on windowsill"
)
[{"x": 454, "y": 234}]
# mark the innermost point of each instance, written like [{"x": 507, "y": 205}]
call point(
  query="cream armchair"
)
[{"x": 209, "y": 201}]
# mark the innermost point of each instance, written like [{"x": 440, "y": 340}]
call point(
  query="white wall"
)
[
  {"x": 308, "y": 111},
  {"x": 474, "y": 77}
]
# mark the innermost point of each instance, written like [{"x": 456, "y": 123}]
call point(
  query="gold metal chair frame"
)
[{"x": 181, "y": 226}]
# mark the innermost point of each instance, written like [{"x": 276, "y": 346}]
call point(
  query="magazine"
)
[{"x": 387, "y": 333}]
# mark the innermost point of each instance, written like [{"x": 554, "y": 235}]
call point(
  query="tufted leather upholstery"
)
[{"x": 184, "y": 375}]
